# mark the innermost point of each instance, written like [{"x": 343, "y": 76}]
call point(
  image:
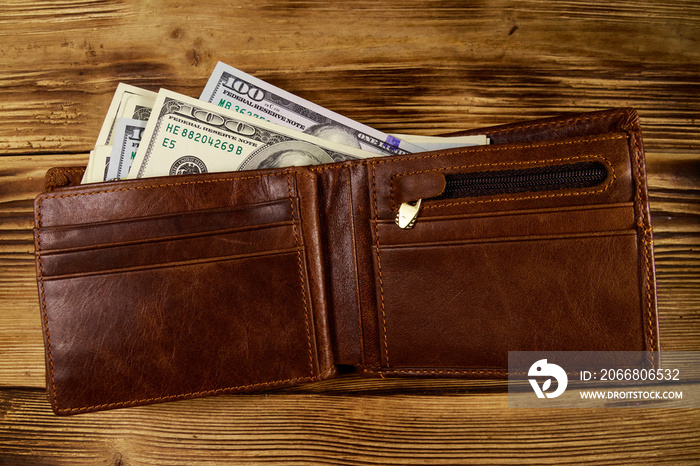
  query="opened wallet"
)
[{"x": 160, "y": 289}]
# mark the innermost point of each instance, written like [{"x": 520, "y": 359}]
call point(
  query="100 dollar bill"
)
[
  {"x": 237, "y": 91},
  {"x": 128, "y": 102},
  {"x": 127, "y": 138},
  {"x": 188, "y": 136}
]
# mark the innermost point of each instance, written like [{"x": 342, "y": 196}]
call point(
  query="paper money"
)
[
  {"x": 237, "y": 91},
  {"x": 130, "y": 102},
  {"x": 97, "y": 166},
  {"x": 441, "y": 142},
  {"x": 127, "y": 136},
  {"x": 186, "y": 136}
]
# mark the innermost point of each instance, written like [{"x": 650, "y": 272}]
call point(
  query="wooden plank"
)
[
  {"x": 422, "y": 65},
  {"x": 21, "y": 341},
  {"x": 473, "y": 427}
]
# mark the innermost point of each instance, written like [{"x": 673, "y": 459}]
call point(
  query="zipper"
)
[{"x": 521, "y": 180}]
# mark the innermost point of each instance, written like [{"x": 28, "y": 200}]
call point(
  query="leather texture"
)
[{"x": 176, "y": 287}]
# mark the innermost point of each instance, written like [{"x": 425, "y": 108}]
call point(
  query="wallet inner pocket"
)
[
  {"x": 460, "y": 289},
  {"x": 465, "y": 305},
  {"x": 510, "y": 224}
]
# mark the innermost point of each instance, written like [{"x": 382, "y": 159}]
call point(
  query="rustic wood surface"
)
[{"x": 423, "y": 66}]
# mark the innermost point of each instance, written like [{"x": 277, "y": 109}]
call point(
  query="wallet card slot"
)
[
  {"x": 163, "y": 226},
  {"x": 165, "y": 265},
  {"x": 109, "y": 258},
  {"x": 508, "y": 239},
  {"x": 511, "y": 224}
]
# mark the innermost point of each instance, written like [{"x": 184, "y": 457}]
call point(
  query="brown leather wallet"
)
[{"x": 167, "y": 288}]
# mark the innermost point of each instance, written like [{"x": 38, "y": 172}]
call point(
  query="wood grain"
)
[
  {"x": 474, "y": 427},
  {"x": 421, "y": 66}
]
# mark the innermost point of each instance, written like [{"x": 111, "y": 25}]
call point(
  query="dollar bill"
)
[
  {"x": 237, "y": 91},
  {"x": 441, "y": 142},
  {"x": 127, "y": 136},
  {"x": 130, "y": 102},
  {"x": 186, "y": 136},
  {"x": 96, "y": 170}
]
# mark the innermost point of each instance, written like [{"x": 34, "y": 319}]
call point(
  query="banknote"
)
[
  {"x": 130, "y": 102},
  {"x": 186, "y": 136},
  {"x": 237, "y": 91},
  {"x": 96, "y": 170},
  {"x": 88, "y": 169},
  {"x": 442, "y": 142},
  {"x": 127, "y": 136}
]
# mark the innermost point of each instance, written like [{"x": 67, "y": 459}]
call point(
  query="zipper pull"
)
[{"x": 407, "y": 214}]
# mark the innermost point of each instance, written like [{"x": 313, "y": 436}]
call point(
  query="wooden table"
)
[{"x": 423, "y": 66}]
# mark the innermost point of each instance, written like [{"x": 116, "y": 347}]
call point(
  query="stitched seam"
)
[
  {"x": 379, "y": 371},
  {"x": 192, "y": 394},
  {"x": 470, "y": 150},
  {"x": 183, "y": 183},
  {"x": 559, "y": 123},
  {"x": 646, "y": 234},
  {"x": 537, "y": 162},
  {"x": 43, "y": 305},
  {"x": 301, "y": 274},
  {"x": 379, "y": 267}
]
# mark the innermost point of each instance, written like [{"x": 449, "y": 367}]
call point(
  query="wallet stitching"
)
[
  {"x": 43, "y": 308},
  {"x": 182, "y": 395},
  {"x": 379, "y": 371},
  {"x": 301, "y": 274},
  {"x": 379, "y": 267},
  {"x": 470, "y": 150},
  {"x": 182, "y": 183},
  {"x": 534, "y": 162},
  {"x": 646, "y": 231},
  {"x": 558, "y": 123}
]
